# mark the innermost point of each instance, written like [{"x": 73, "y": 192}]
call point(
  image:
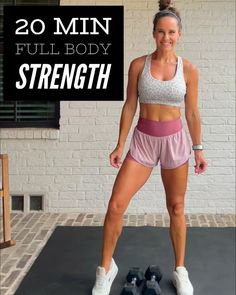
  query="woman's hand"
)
[
  {"x": 115, "y": 157},
  {"x": 201, "y": 163}
]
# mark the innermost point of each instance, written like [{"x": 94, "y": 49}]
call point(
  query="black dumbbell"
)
[
  {"x": 135, "y": 279},
  {"x": 153, "y": 276}
]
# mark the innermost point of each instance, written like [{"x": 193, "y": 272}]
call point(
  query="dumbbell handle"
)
[
  {"x": 133, "y": 282},
  {"x": 153, "y": 278}
]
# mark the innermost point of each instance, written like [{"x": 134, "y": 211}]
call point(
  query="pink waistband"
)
[{"x": 159, "y": 128}]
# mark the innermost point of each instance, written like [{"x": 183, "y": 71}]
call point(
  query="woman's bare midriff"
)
[{"x": 159, "y": 112}]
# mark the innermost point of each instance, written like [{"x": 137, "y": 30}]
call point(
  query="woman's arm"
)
[
  {"x": 193, "y": 116},
  {"x": 128, "y": 112},
  {"x": 191, "y": 104},
  {"x": 130, "y": 105}
]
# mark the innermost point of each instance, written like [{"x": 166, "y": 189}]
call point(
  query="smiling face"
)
[{"x": 166, "y": 33}]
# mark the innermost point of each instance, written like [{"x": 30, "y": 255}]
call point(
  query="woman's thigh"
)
[
  {"x": 175, "y": 183},
  {"x": 130, "y": 178}
]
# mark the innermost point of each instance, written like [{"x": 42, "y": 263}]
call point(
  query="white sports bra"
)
[{"x": 152, "y": 90}]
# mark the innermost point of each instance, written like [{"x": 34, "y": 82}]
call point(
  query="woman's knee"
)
[
  {"x": 116, "y": 208},
  {"x": 176, "y": 209}
]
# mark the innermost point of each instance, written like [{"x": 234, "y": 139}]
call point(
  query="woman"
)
[{"x": 161, "y": 81}]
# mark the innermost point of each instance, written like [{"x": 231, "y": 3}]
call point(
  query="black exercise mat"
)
[{"x": 67, "y": 263}]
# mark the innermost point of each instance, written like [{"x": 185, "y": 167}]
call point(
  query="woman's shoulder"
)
[
  {"x": 139, "y": 60},
  {"x": 189, "y": 66},
  {"x": 138, "y": 63},
  {"x": 190, "y": 69}
]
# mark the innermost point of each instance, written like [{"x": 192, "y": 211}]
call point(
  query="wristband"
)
[{"x": 197, "y": 147}]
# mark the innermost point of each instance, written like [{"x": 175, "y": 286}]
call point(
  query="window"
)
[
  {"x": 17, "y": 203},
  {"x": 25, "y": 113},
  {"x": 36, "y": 203}
]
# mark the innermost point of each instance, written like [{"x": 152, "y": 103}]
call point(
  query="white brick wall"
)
[{"x": 71, "y": 166}]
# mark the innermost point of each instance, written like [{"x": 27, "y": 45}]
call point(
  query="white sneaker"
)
[
  {"x": 104, "y": 280},
  {"x": 181, "y": 281}
]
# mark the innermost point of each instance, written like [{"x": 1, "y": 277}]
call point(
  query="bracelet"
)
[{"x": 197, "y": 147}]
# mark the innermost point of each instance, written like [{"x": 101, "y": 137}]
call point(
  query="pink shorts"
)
[{"x": 154, "y": 140}]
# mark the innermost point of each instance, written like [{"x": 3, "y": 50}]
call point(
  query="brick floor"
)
[{"x": 32, "y": 231}]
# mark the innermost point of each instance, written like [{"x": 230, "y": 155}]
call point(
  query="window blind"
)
[{"x": 25, "y": 113}]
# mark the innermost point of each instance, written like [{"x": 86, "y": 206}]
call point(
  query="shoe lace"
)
[
  {"x": 184, "y": 277},
  {"x": 100, "y": 281}
]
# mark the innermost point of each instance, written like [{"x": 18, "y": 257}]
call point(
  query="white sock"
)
[{"x": 180, "y": 268}]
